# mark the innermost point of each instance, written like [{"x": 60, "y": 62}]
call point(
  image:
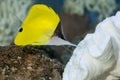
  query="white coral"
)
[
  {"x": 103, "y": 7},
  {"x": 9, "y": 23},
  {"x": 97, "y": 57}
]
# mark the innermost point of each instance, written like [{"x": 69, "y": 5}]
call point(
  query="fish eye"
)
[{"x": 21, "y": 29}]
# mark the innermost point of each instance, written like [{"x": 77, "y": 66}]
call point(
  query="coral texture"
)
[
  {"x": 97, "y": 57},
  {"x": 11, "y": 12},
  {"x": 103, "y": 7},
  {"x": 28, "y": 63}
]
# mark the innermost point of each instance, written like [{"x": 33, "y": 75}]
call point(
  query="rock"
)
[{"x": 27, "y": 63}]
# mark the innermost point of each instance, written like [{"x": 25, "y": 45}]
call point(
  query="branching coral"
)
[
  {"x": 103, "y": 7},
  {"x": 9, "y": 10}
]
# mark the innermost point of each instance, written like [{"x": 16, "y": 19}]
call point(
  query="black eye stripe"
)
[{"x": 21, "y": 29}]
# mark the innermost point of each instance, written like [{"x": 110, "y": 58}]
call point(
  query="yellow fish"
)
[{"x": 39, "y": 26}]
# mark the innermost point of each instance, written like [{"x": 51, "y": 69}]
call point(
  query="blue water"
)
[{"x": 55, "y": 4}]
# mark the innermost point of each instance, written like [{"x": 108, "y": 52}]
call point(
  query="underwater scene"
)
[{"x": 59, "y": 40}]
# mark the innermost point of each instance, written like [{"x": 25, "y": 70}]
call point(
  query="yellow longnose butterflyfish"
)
[{"x": 38, "y": 27}]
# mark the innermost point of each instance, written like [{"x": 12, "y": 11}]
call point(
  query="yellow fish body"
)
[{"x": 38, "y": 27}]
